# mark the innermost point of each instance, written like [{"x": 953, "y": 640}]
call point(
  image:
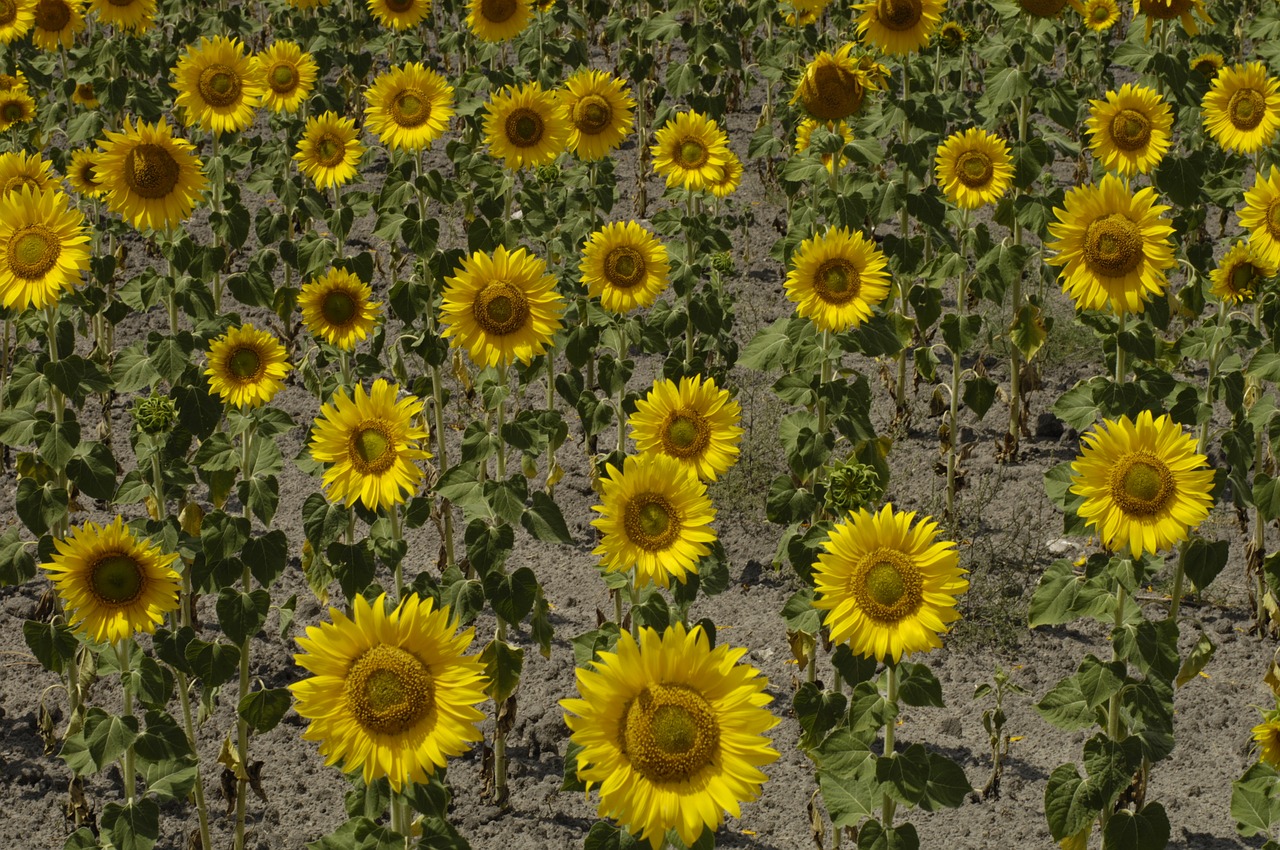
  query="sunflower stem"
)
[
  {"x": 202, "y": 809},
  {"x": 157, "y": 486},
  {"x": 953, "y": 426},
  {"x": 242, "y": 727},
  {"x": 688, "y": 293},
  {"x": 446, "y": 509},
  {"x": 501, "y": 415},
  {"x": 617, "y": 608},
  {"x": 888, "y": 804},
  {"x": 1015, "y": 301},
  {"x": 1179, "y": 571},
  {"x": 1122, "y": 369},
  {"x": 57, "y": 404},
  {"x": 903, "y": 227},
  {"x": 130, "y": 773},
  {"x": 394, "y": 515}
]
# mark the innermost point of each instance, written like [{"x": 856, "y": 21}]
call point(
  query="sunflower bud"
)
[
  {"x": 852, "y": 485},
  {"x": 549, "y": 173},
  {"x": 723, "y": 263},
  {"x": 155, "y": 414}
]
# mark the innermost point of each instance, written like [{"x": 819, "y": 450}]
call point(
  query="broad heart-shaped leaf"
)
[
  {"x": 52, "y": 644},
  {"x": 849, "y": 799},
  {"x": 163, "y": 739},
  {"x": 1062, "y": 596},
  {"x": 979, "y": 394},
  {"x": 947, "y": 784},
  {"x": 171, "y": 779},
  {"x": 1144, "y": 830},
  {"x": 1078, "y": 406},
  {"x": 359, "y": 834},
  {"x": 1109, "y": 766},
  {"x": 1073, "y": 701},
  {"x": 132, "y": 827},
  {"x": 82, "y": 839},
  {"x": 875, "y": 836},
  {"x": 503, "y": 664},
  {"x": 818, "y": 712},
  {"x": 263, "y": 709},
  {"x": 904, "y": 775},
  {"x": 771, "y": 348},
  {"x": 918, "y": 686},
  {"x": 1028, "y": 331},
  {"x": 511, "y": 596},
  {"x": 544, "y": 520},
  {"x": 1151, "y": 646},
  {"x": 843, "y": 754},
  {"x": 1196, "y": 659},
  {"x": 241, "y": 615},
  {"x": 107, "y": 736},
  {"x": 1066, "y": 805},
  {"x": 1204, "y": 560},
  {"x": 1254, "y": 803},
  {"x": 214, "y": 663},
  {"x": 606, "y": 836}
]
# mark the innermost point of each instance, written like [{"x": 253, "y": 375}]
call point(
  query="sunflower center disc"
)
[
  {"x": 1130, "y": 130},
  {"x": 832, "y": 93},
  {"x": 670, "y": 733},
  {"x": 8, "y": 12},
  {"x": 245, "y": 363},
  {"x": 283, "y": 79},
  {"x": 338, "y": 308},
  {"x": 885, "y": 584},
  {"x": 151, "y": 171},
  {"x": 330, "y": 150},
  {"x": 1273, "y": 217},
  {"x": 974, "y": 169},
  {"x": 899, "y": 15},
  {"x": 693, "y": 154},
  {"x": 497, "y": 11},
  {"x": 410, "y": 108},
  {"x": 13, "y": 112},
  {"x": 33, "y": 251},
  {"x": 592, "y": 114},
  {"x": 372, "y": 449},
  {"x": 1112, "y": 246},
  {"x": 524, "y": 127},
  {"x": 651, "y": 522},
  {"x": 1165, "y": 10},
  {"x": 624, "y": 267},
  {"x": 500, "y": 309},
  {"x": 686, "y": 434},
  {"x": 1246, "y": 109},
  {"x": 116, "y": 579},
  {"x": 837, "y": 282},
  {"x": 16, "y": 184},
  {"x": 1240, "y": 281},
  {"x": 400, "y": 6},
  {"x": 220, "y": 85},
  {"x": 1141, "y": 484},
  {"x": 1100, "y": 14},
  {"x": 388, "y": 690},
  {"x": 122, "y": 3},
  {"x": 52, "y": 15},
  {"x": 889, "y": 588}
]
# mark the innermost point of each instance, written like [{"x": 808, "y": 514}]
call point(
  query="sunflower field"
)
[{"x": 663, "y": 424}]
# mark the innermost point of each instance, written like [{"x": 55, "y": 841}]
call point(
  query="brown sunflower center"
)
[
  {"x": 651, "y": 522},
  {"x": 151, "y": 171},
  {"x": 497, "y": 11},
  {"x": 122, "y": 3},
  {"x": 8, "y": 12},
  {"x": 219, "y": 85},
  {"x": 410, "y": 109},
  {"x": 670, "y": 733},
  {"x": 500, "y": 308},
  {"x": 1207, "y": 65},
  {"x": 52, "y": 15},
  {"x": 1240, "y": 279},
  {"x": 1141, "y": 484},
  {"x": 116, "y": 579},
  {"x": 372, "y": 447},
  {"x": 33, "y": 251},
  {"x": 399, "y": 6},
  {"x": 388, "y": 690},
  {"x": 524, "y": 127},
  {"x": 592, "y": 114},
  {"x": 889, "y": 587},
  {"x": 974, "y": 169},
  {"x": 692, "y": 154},
  {"x": 85, "y": 91},
  {"x": 1130, "y": 130},
  {"x": 245, "y": 364},
  {"x": 338, "y": 307},
  {"x": 837, "y": 281},
  {"x": 88, "y": 175},
  {"x": 899, "y": 15},
  {"x": 1112, "y": 246},
  {"x": 624, "y": 267},
  {"x": 1165, "y": 10},
  {"x": 13, "y": 111},
  {"x": 1042, "y": 8},
  {"x": 330, "y": 150},
  {"x": 1273, "y": 217},
  {"x": 1246, "y": 109},
  {"x": 284, "y": 78},
  {"x": 685, "y": 434}
]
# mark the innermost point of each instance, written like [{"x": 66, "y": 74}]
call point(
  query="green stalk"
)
[
  {"x": 242, "y": 728},
  {"x": 1113, "y": 705},
  {"x": 128, "y": 769},
  {"x": 887, "y": 803},
  {"x": 446, "y": 510},
  {"x": 690, "y": 207},
  {"x": 394, "y": 514},
  {"x": 1015, "y": 300},
  {"x": 903, "y": 226},
  {"x": 202, "y": 809}
]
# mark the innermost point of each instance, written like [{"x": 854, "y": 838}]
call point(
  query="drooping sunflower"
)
[
  {"x": 56, "y": 23},
  {"x": 974, "y": 168},
  {"x": 526, "y": 126},
  {"x": 694, "y": 422},
  {"x": 501, "y": 307},
  {"x": 1114, "y": 245},
  {"x": 399, "y": 14},
  {"x": 498, "y": 20},
  {"x": 1144, "y": 484},
  {"x": 730, "y": 178},
  {"x": 1242, "y": 108},
  {"x": 1099, "y": 15},
  {"x": 246, "y": 366},
  {"x": 82, "y": 174},
  {"x": 900, "y": 27},
  {"x": 1207, "y": 64},
  {"x": 836, "y": 278},
  {"x": 43, "y": 247},
  {"x": 113, "y": 584},
  {"x": 18, "y": 169},
  {"x": 16, "y": 107},
  {"x": 799, "y": 13},
  {"x": 288, "y": 75},
  {"x": 599, "y": 107},
  {"x": 16, "y": 19},
  {"x": 336, "y": 307},
  {"x": 84, "y": 95},
  {"x": 625, "y": 266},
  {"x": 391, "y": 694},
  {"x": 804, "y": 138},
  {"x": 1260, "y": 216},
  {"x": 656, "y": 517},
  {"x": 691, "y": 151},
  {"x": 1129, "y": 129},
  {"x": 1042, "y": 8},
  {"x": 372, "y": 442},
  {"x": 330, "y": 150},
  {"x": 135, "y": 15},
  {"x": 834, "y": 85},
  {"x": 409, "y": 107},
  {"x": 1238, "y": 275},
  {"x": 152, "y": 179},
  {"x": 672, "y": 731},
  {"x": 1267, "y": 736},
  {"x": 219, "y": 86},
  {"x": 1167, "y": 10},
  {"x": 888, "y": 587}
]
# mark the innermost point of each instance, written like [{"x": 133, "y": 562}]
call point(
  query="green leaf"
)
[
  {"x": 1144, "y": 830},
  {"x": 979, "y": 393},
  {"x": 52, "y": 644},
  {"x": 1151, "y": 646},
  {"x": 107, "y": 736},
  {"x": 818, "y": 712},
  {"x": 1062, "y": 596},
  {"x": 503, "y": 664},
  {"x": 842, "y": 754},
  {"x": 214, "y": 663},
  {"x": 1253, "y": 800},
  {"x": 1077, "y": 406},
  {"x": 917, "y": 685},
  {"x": 1073, "y": 702},
  {"x": 163, "y": 739},
  {"x": 81, "y": 839},
  {"x": 1205, "y": 560},
  {"x": 787, "y": 503},
  {"x": 1067, "y": 807},
  {"x": 904, "y": 775},
  {"x": 359, "y": 834},
  {"x": 512, "y": 596},
  {"x": 1028, "y": 331},
  {"x": 849, "y": 800},
  {"x": 947, "y": 786},
  {"x": 267, "y": 556},
  {"x": 132, "y": 827},
  {"x": 93, "y": 469},
  {"x": 1196, "y": 659},
  {"x": 606, "y": 836},
  {"x": 1003, "y": 87},
  {"x": 40, "y": 506},
  {"x": 544, "y": 520},
  {"x": 263, "y": 709},
  {"x": 771, "y": 348},
  {"x": 875, "y": 836},
  {"x": 241, "y": 615},
  {"x": 173, "y": 779}
]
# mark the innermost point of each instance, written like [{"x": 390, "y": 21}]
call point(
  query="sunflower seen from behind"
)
[
  {"x": 1242, "y": 108},
  {"x": 247, "y": 366},
  {"x": 498, "y": 20},
  {"x": 152, "y": 179},
  {"x": 330, "y": 150},
  {"x": 836, "y": 278},
  {"x": 17, "y": 17},
  {"x": 371, "y": 442},
  {"x": 526, "y": 126},
  {"x": 44, "y": 248},
  {"x": 887, "y": 585},
  {"x": 391, "y": 694},
  {"x": 691, "y": 151},
  {"x": 288, "y": 76},
  {"x": 599, "y": 108},
  {"x": 133, "y": 15},
  {"x": 337, "y": 307},
  {"x": 899, "y": 27},
  {"x": 1129, "y": 129},
  {"x": 56, "y": 23},
  {"x": 974, "y": 168},
  {"x": 1114, "y": 246},
  {"x": 625, "y": 266},
  {"x": 694, "y": 421},
  {"x": 1144, "y": 485},
  {"x": 1239, "y": 274},
  {"x": 399, "y": 14},
  {"x": 834, "y": 86},
  {"x": 219, "y": 85},
  {"x": 112, "y": 584},
  {"x": 1261, "y": 216},
  {"x": 409, "y": 107},
  {"x": 672, "y": 732}
]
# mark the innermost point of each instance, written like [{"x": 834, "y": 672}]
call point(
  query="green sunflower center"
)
[
  {"x": 388, "y": 690},
  {"x": 245, "y": 363},
  {"x": 974, "y": 169},
  {"x": 1141, "y": 484},
  {"x": 8, "y": 12},
  {"x": 899, "y": 15},
  {"x": 1130, "y": 130},
  {"x": 1112, "y": 246},
  {"x": 117, "y": 579},
  {"x": 1273, "y": 218},
  {"x": 1100, "y": 13},
  {"x": 338, "y": 307},
  {"x": 1240, "y": 280},
  {"x": 837, "y": 281},
  {"x": 33, "y": 251},
  {"x": 624, "y": 267},
  {"x": 889, "y": 587},
  {"x": 151, "y": 171},
  {"x": 497, "y": 11},
  {"x": 219, "y": 85},
  {"x": 13, "y": 111},
  {"x": 685, "y": 434},
  {"x": 670, "y": 733},
  {"x": 410, "y": 109},
  {"x": 372, "y": 447},
  {"x": 330, "y": 150},
  {"x": 52, "y": 15},
  {"x": 284, "y": 78},
  {"x": 651, "y": 522},
  {"x": 692, "y": 154},
  {"x": 500, "y": 309},
  {"x": 1246, "y": 109},
  {"x": 524, "y": 127},
  {"x": 591, "y": 114}
]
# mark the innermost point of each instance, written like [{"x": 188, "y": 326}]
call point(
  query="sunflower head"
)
[
  {"x": 1266, "y": 735},
  {"x": 219, "y": 86},
  {"x": 1207, "y": 64},
  {"x": 625, "y": 266},
  {"x": 498, "y": 20},
  {"x": 834, "y": 85},
  {"x": 16, "y": 20},
  {"x": 694, "y": 422},
  {"x": 409, "y": 106},
  {"x": 952, "y": 36},
  {"x": 1130, "y": 129},
  {"x": 974, "y": 168},
  {"x": 336, "y": 307},
  {"x": 288, "y": 75},
  {"x": 133, "y": 15},
  {"x": 691, "y": 151},
  {"x": 399, "y": 14},
  {"x": 1240, "y": 273},
  {"x": 1242, "y": 108},
  {"x": 837, "y": 278},
  {"x": 599, "y": 108},
  {"x": 1100, "y": 15},
  {"x": 1168, "y": 10},
  {"x": 43, "y": 247},
  {"x": 56, "y": 23},
  {"x": 526, "y": 126},
  {"x": 1261, "y": 216},
  {"x": 152, "y": 179},
  {"x": 82, "y": 174},
  {"x": 901, "y": 27},
  {"x": 16, "y": 107},
  {"x": 246, "y": 366},
  {"x": 330, "y": 150}
]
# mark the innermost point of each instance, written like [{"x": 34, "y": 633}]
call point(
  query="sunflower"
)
[
  {"x": 1042, "y": 8},
  {"x": 691, "y": 150},
  {"x": 1267, "y": 736},
  {"x": 1237, "y": 276},
  {"x": 336, "y": 308},
  {"x": 151, "y": 178},
  {"x": 656, "y": 517},
  {"x": 391, "y": 694},
  {"x": 113, "y": 584},
  {"x": 1167, "y": 10},
  {"x": 672, "y": 731},
  {"x": 1207, "y": 64},
  {"x": 834, "y": 85},
  {"x": 889, "y": 588},
  {"x": 694, "y": 422},
  {"x": 836, "y": 278},
  {"x": 329, "y": 151},
  {"x": 288, "y": 76},
  {"x": 372, "y": 442},
  {"x": 16, "y": 107},
  {"x": 974, "y": 168},
  {"x": 1114, "y": 245},
  {"x": 599, "y": 108},
  {"x": 219, "y": 85},
  {"x": 1260, "y": 216},
  {"x": 43, "y": 247},
  {"x": 498, "y": 20},
  {"x": 399, "y": 14},
  {"x": 730, "y": 177},
  {"x": 135, "y": 15},
  {"x": 16, "y": 19},
  {"x": 57, "y": 22},
  {"x": 1099, "y": 15},
  {"x": 501, "y": 307},
  {"x": 409, "y": 107},
  {"x": 82, "y": 174},
  {"x": 84, "y": 95},
  {"x": 952, "y": 36},
  {"x": 1129, "y": 129},
  {"x": 526, "y": 126},
  {"x": 625, "y": 266},
  {"x": 804, "y": 138},
  {"x": 17, "y": 81},
  {"x": 1144, "y": 484},
  {"x": 799, "y": 13},
  {"x": 18, "y": 169},
  {"x": 246, "y": 366},
  {"x": 1242, "y": 108},
  {"x": 900, "y": 27}
]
